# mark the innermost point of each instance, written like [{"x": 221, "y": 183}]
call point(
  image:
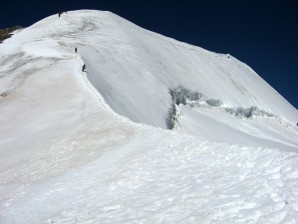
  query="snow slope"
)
[{"x": 72, "y": 153}]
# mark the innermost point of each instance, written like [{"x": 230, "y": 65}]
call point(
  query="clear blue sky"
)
[{"x": 263, "y": 34}]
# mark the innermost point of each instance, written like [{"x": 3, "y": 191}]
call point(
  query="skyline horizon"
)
[{"x": 265, "y": 42}]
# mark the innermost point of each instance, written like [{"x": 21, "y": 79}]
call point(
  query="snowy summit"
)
[{"x": 102, "y": 121}]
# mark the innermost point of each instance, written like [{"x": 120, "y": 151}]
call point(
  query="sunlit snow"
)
[{"x": 95, "y": 146}]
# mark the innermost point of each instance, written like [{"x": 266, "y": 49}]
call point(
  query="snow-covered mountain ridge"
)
[{"x": 69, "y": 141}]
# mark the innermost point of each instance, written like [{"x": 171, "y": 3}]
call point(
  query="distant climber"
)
[
  {"x": 59, "y": 14},
  {"x": 76, "y": 50},
  {"x": 83, "y": 68}
]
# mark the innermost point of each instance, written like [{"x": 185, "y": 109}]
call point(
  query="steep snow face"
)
[
  {"x": 67, "y": 156},
  {"x": 134, "y": 69}
]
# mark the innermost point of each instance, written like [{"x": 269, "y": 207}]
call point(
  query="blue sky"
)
[{"x": 263, "y": 34}]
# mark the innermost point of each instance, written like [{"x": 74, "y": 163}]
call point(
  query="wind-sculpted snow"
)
[
  {"x": 134, "y": 69},
  {"x": 181, "y": 95},
  {"x": 214, "y": 102},
  {"x": 92, "y": 147},
  {"x": 195, "y": 113},
  {"x": 167, "y": 178},
  {"x": 19, "y": 68},
  {"x": 241, "y": 112}
]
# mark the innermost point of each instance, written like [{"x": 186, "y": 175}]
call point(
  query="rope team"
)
[{"x": 84, "y": 66}]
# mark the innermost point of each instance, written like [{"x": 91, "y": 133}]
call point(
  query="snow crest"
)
[{"x": 93, "y": 146}]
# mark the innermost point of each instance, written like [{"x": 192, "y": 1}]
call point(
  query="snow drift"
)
[{"x": 94, "y": 146}]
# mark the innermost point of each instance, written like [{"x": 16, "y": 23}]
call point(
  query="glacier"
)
[{"x": 155, "y": 130}]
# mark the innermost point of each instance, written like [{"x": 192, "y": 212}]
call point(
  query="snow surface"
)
[{"x": 92, "y": 147}]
